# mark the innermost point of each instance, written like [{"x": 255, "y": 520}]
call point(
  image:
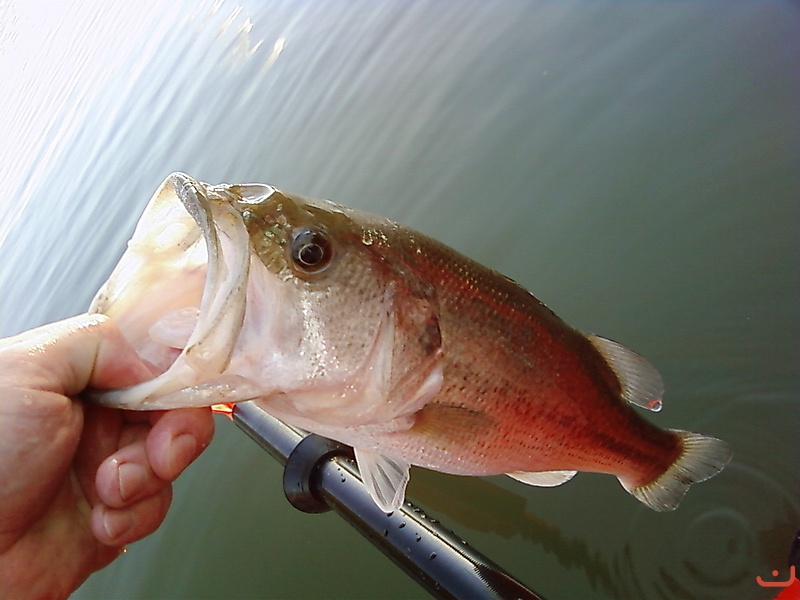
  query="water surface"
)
[{"x": 634, "y": 164}]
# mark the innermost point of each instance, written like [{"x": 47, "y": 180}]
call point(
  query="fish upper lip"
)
[
  {"x": 246, "y": 195},
  {"x": 223, "y": 301},
  {"x": 241, "y": 196},
  {"x": 192, "y": 195}
]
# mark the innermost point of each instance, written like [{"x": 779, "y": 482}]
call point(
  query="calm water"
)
[{"x": 634, "y": 164}]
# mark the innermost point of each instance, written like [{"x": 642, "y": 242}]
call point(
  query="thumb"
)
[{"x": 70, "y": 355}]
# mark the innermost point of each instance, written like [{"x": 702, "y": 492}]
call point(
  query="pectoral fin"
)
[
  {"x": 543, "y": 478},
  {"x": 385, "y": 478}
]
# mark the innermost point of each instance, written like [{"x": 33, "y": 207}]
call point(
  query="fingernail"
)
[
  {"x": 184, "y": 451},
  {"x": 117, "y": 523},
  {"x": 131, "y": 478}
]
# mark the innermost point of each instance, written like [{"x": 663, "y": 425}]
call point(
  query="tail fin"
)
[{"x": 702, "y": 457}]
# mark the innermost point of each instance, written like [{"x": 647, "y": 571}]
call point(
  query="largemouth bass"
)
[{"x": 358, "y": 329}]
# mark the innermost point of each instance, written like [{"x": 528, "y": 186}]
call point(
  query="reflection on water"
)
[
  {"x": 707, "y": 549},
  {"x": 479, "y": 505},
  {"x": 633, "y": 164}
]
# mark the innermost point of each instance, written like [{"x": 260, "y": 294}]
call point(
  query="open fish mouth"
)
[{"x": 179, "y": 295}]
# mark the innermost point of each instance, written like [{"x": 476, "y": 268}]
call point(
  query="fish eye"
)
[{"x": 312, "y": 250}]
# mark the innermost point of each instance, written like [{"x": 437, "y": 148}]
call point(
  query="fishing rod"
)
[{"x": 321, "y": 475}]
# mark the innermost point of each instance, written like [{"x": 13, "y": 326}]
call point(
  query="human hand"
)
[{"x": 79, "y": 481}]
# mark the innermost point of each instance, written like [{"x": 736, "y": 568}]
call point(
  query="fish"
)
[{"x": 356, "y": 328}]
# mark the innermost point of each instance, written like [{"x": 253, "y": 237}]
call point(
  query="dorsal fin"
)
[
  {"x": 385, "y": 478},
  {"x": 640, "y": 381}
]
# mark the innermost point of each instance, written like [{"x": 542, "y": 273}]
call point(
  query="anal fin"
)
[
  {"x": 385, "y": 478},
  {"x": 543, "y": 478}
]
